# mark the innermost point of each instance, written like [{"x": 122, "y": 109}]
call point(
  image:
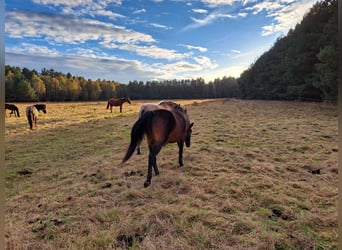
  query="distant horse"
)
[
  {"x": 161, "y": 126},
  {"x": 152, "y": 106},
  {"x": 117, "y": 102},
  {"x": 41, "y": 107},
  {"x": 14, "y": 109},
  {"x": 32, "y": 116}
]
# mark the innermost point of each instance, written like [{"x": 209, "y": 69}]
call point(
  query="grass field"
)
[{"x": 248, "y": 180}]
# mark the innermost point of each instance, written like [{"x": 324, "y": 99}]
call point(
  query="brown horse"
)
[
  {"x": 152, "y": 106},
  {"x": 117, "y": 102},
  {"x": 32, "y": 116},
  {"x": 14, "y": 109},
  {"x": 161, "y": 126}
]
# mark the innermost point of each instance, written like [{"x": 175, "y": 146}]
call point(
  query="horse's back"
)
[
  {"x": 161, "y": 125},
  {"x": 180, "y": 118},
  {"x": 147, "y": 107},
  {"x": 31, "y": 110}
]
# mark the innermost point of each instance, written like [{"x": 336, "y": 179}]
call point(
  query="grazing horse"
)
[
  {"x": 152, "y": 106},
  {"x": 117, "y": 102},
  {"x": 14, "y": 109},
  {"x": 32, "y": 116},
  {"x": 41, "y": 107},
  {"x": 161, "y": 126}
]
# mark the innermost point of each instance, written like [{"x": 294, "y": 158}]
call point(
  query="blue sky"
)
[{"x": 125, "y": 40}]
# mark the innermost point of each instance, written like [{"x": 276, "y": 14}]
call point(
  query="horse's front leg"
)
[
  {"x": 120, "y": 108},
  {"x": 180, "y": 152}
]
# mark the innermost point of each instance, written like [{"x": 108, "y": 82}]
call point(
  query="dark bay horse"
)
[
  {"x": 32, "y": 116},
  {"x": 161, "y": 126},
  {"x": 117, "y": 102},
  {"x": 14, "y": 109},
  {"x": 153, "y": 106},
  {"x": 41, "y": 107}
]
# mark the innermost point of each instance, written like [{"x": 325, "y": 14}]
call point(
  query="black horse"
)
[
  {"x": 14, "y": 109},
  {"x": 41, "y": 107},
  {"x": 161, "y": 127}
]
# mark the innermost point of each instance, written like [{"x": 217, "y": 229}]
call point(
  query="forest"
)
[{"x": 300, "y": 66}]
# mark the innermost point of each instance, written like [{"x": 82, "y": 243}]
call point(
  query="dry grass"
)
[{"x": 246, "y": 181}]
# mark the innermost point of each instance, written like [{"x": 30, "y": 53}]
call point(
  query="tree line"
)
[
  {"x": 50, "y": 85},
  {"x": 301, "y": 65}
]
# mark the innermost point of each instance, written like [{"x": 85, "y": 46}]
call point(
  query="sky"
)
[{"x": 143, "y": 40}]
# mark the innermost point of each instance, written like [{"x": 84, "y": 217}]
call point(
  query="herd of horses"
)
[
  {"x": 162, "y": 123},
  {"x": 31, "y": 112}
]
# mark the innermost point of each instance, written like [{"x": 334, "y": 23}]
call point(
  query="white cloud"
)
[
  {"x": 84, "y": 7},
  {"x": 160, "y": 26},
  {"x": 287, "y": 17},
  {"x": 215, "y": 3},
  {"x": 200, "y": 49},
  {"x": 268, "y": 6},
  {"x": 58, "y": 29},
  {"x": 175, "y": 70},
  {"x": 201, "y": 11},
  {"x": 212, "y": 17},
  {"x": 139, "y": 11},
  {"x": 28, "y": 48},
  {"x": 236, "y": 51},
  {"x": 153, "y": 51},
  {"x": 109, "y": 68},
  {"x": 205, "y": 62},
  {"x": 63, "y": 2},
  {"x": 285, "y": 14}
]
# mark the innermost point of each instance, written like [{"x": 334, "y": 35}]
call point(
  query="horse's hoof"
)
[{"x": 147, "y": 183}]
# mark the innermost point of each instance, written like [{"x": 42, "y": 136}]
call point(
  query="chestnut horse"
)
[
  {"x": 161, "y": 126},
  {"x": 32, "y": 116},
  {"x": 117, "y": 102},
  {"x": 14, "y": 109}
]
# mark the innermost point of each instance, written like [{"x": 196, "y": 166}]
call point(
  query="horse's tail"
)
[
  {"x": 137, "y": 133},
  {"x": 107, "y": 105}
]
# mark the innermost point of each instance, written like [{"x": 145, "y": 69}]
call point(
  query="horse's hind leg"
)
[
  {"x": 155, "y": 151},
  {"x": 152, "y": 162},
  {"x": 151, "y": 159},
  {"x": 180, "y": 153}
]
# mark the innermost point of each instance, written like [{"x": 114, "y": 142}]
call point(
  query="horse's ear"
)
[{"x": 192, "y": 124}]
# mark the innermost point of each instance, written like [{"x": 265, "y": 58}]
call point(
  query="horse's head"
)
[
  {"x": 41, "y": 107},
  {"x": 128, "y": 100},
  {"x": 188, "y": 135}
]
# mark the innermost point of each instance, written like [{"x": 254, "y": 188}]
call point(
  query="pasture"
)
[{"x": 250, "y": 179}]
